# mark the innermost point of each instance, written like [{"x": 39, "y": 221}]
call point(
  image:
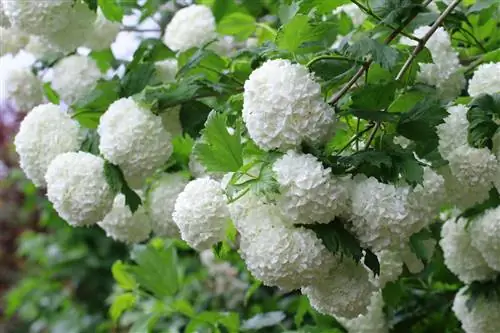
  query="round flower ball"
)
[
  {"x": 77, "y": 32},
  {"x": 191, "y": 26},
  {"x": 102, "y": 34},
  {"x": 122, "y": 225},
  {"x": 45, "y": 133},
  {"x": 166, "y": 70},
  {"x": 40, "y": 47},
  {"x": 200, "y": 213},
  {"x": 38, "y": 17},
  {"x": 283, "y": 106},
  {"x": 160, "y": 202},
  {"x": 19, "y": 85},
  {"x": 77, "y": 188},
  {"x": 486, "y": 80},
  {"x": 482, "y": 317},
  {"x": 452, "y": 132},
  {"x": 309, "y": 193},
  {"x": 485, "y": 236},
  {"x": 13, "y": 40},
  {"x": 285, "y": 257},
  {"x": 374, "y": 321},
  {"x": 135, "y": 139},
  {"x": 74, "y": 77},
  {"x": 345, "y": 293},
  {"x": 460, "y": 256}
]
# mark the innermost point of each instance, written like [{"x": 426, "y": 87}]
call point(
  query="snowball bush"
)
[
  {"x": 285, "y": 257},
  {"x": 452, "y": 132},
  {"x": 19, "y": 85},
  {"x": 192, "y": 26},
  {"x": 460, "y": 256},
  {"x": 345, "y": 293},
  {"x": 485, "y": 236},
  {"x": 374, "y": 321},
  {"x": 482, "y": 318},
  {"x": 283, "y": 106},
  {"x": 166, "y": 70},
  {"x": 74, "y": 77},
  {"x": 38, "y": 17},
  {"x": 160, "y": 202},
  {"x": 133, "y": 138},
  {"x": 309, "y": 192},
  {"x": 77, "y": 188},
  {"x": 45, "y": 133},
  {"x": 102, "y": 34},
  {"x": 201, "y": 214},
  {"x": 486, "y": 80},
  {"x": 123, "y": 225},
  {"x": 12, "y": 40}
]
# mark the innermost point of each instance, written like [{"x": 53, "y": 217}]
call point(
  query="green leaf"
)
[
  {"x": 160, "y": 98},
  {"x": 111, "y": 9},
  {"x": 156, "y": 269},
  {"x": 479, "y": 5},
  {"x": 374, "y": 97},
  {"x": 88, "y": 109},
  {"x": 114, "y": 177},
  {"x": 297, "y": 32},
  {"x": 91, "y": 143},
  {"x": 419, "y": 124},
  {"x": 418, "y": 245},
  {"x": 120, "y": 304},
  {"x": 137, "y": 78},
  {"x": 262, "y": 320},
  {"x": 367, "y": 48},
  {"x": 183, "y": 146},
  {"x": 483, "y": 116},
  {"x": 51, "y": 95},
  {"x": 378, "y": 116},
  {"x": 237, "y": 24},
  {"x": 92, "y": 4},
  {"x": 122, "y": 276},
  {"x": 201, "y": 62},
  {"x": 395, "y": 11},
  {"x": 193, "y": 116},
  {"x": 144, "y": 323},
  {"x": 341, "y": 242},
  {"x": 218, "y": 150},
  {"x": 116, "y": 180}
]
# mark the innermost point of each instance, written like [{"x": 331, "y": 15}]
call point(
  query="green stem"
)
[
  {"x": 266, "y": 27},
  {"x": 354, "y": 138}
]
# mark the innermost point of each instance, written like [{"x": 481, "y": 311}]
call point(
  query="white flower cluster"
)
[
  {"x": 103, "y": 33},
  {"x": 200, "y": 213},
  {"x": 485, "y": 236},
  {"x": 391, "y": 214},
  {"x": 133, "y": 138},
  {"x": 166, "y": 70},
  {"x": 160, "y": 202},
  {"x": 122, "y": 225},
  {"x": 192, "y": 26},
  {"x": 481, "y": 318},
  {"x": 283, "y": 106},
  {"x": 77, "y": 187},
  {"x": 486, "y": 80},
  {"x": 19, "y": 85},
  {"x": 12, "y": 40},
  {"x": 309, "y": 192},
  {"x": 460, "y": 256},
  {"x": 74, "y": 77},
  {"x": 444, "y": 73},
  {"x": 45, "y": 133},
  {"x": 63, "y": 24},
  {"x": 471, "y": 171},
  {"x": 374, "y": 321}
]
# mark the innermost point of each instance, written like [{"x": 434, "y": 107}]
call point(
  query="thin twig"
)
[
  {"x": 420, "y": 46},
  {"x": 135, "y": 29},
  {"x": 372, "y": 135},
  {"x": 367, "y": 64}
]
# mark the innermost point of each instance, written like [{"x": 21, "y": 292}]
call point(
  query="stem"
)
[
  {"x": 266, "y": 27},
  {"x": 367, "y": 64},
  {"x": 135, "y": 29},
  {"x": 325, "y": 56},
  {"x": 372, "y": 135},
  {"x": 355, "y": 138},
  {"x": 426, "y": 38}
]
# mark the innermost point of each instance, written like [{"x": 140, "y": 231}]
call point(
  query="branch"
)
[
  {"x": 135, "y": 29},
  {"x": 367, "y": 64},
  {"x": 420, "y": 46}
]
